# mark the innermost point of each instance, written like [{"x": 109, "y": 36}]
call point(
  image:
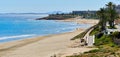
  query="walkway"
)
[{"x": 89, "y": 39}]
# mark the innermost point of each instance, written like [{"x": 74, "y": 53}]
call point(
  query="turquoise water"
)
[{"x": 16, "y": 27}]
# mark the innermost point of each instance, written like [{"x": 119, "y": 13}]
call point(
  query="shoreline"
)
[
  {"x": 79, "y": 21},
  {"x": 42, "y": 36},
  {"x": 43, "y": 46},
  {"x": 7, "y": 47}
]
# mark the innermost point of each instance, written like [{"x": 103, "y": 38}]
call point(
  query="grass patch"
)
[
  {"x": 95, "y": 31},
  {"x": 111, "y": 27},
  {"x": 103, "y": 40},
  {"x": 81, "y": 35},
  {"x": 93, "y": 51},
  {"x": 106, "y": 47},
  {"x": 105, "y": 44}
]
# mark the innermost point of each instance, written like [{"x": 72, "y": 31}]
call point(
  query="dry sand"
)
[
  {"x": 37, "y": 47},
  {"x": 80, "y": 20},
  {"x": 44, "y": 46}
]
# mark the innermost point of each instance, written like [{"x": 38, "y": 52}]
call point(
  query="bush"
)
[
  {"x": 112, "y": 27},
  {"x": 104, "y": 40},
  {"x": 115, "y": 34},
  {"x": 93, "y": 51},
  {"x": 99, "y": 35},
  {"x": 112, "y": 45},
  {"x": 95, "y": 31}
]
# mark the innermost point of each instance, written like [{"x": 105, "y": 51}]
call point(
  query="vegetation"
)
[
  {"x": 104, "y": 40},
  {"x": 89, "y": 15},
  {"x": 102, "y": 52},
  {"x": 81, "y": 35},
  {"x": 112, "y": 13},
  {"x": 115, "y": 34},
  {"x": 102, "y": 15},
  {"x": 105, "y": 15},
  {"x": 58, "y": 16},
  {"x": 109, "y": 27},
  {"x": 108, "y": 45},
  {"x": 109, "y": 15},
  {"x": 86, "y": 14},
  {"x": 96, "y": 30}
]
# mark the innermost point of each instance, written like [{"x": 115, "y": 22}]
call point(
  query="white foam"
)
[{"x": 17, "y": 36}]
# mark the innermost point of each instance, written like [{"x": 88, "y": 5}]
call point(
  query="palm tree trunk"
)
[{"x": 110, "y": 23}]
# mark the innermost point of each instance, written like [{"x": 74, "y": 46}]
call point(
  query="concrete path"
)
[{"x": 89, "y": 39}]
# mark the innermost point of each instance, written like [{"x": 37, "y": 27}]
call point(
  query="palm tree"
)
[
  {"x": 112, "y": 14},
  {"x": 102, "y": 15}
]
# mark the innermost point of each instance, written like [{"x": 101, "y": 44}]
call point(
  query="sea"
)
[{"x": 21, "y": 26}]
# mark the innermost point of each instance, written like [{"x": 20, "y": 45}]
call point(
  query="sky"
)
[{"x": 43, "y": 6}]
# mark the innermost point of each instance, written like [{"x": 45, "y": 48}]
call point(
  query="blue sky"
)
[{"x": 20, "y": 6}]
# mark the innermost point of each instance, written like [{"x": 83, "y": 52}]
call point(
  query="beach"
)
[
  {"x": 44, "y": 46},
  {"x": 80, "y": 20}
]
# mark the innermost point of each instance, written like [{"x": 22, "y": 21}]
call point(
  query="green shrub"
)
[
  {"x": 93, "y": 51},
  {"x": 104, "y": 40},
  {"x": 112, "y": 27},
  {"x": 95, "y": 31},
  {"x": 81, "y": 35},
  {"x": 115, "y": 34},
  {"x": 112, "y": 45},
  {"x": 99, "y": 35}
]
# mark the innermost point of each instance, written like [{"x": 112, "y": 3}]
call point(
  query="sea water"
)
[{"x": 16, "y": 27}]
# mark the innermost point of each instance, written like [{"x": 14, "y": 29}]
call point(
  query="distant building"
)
[{"x": 84, "y": 12}]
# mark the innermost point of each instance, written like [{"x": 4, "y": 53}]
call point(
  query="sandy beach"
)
[
  {"x": 80, "y": 20},
  {"x": 44, "y": 46}
]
